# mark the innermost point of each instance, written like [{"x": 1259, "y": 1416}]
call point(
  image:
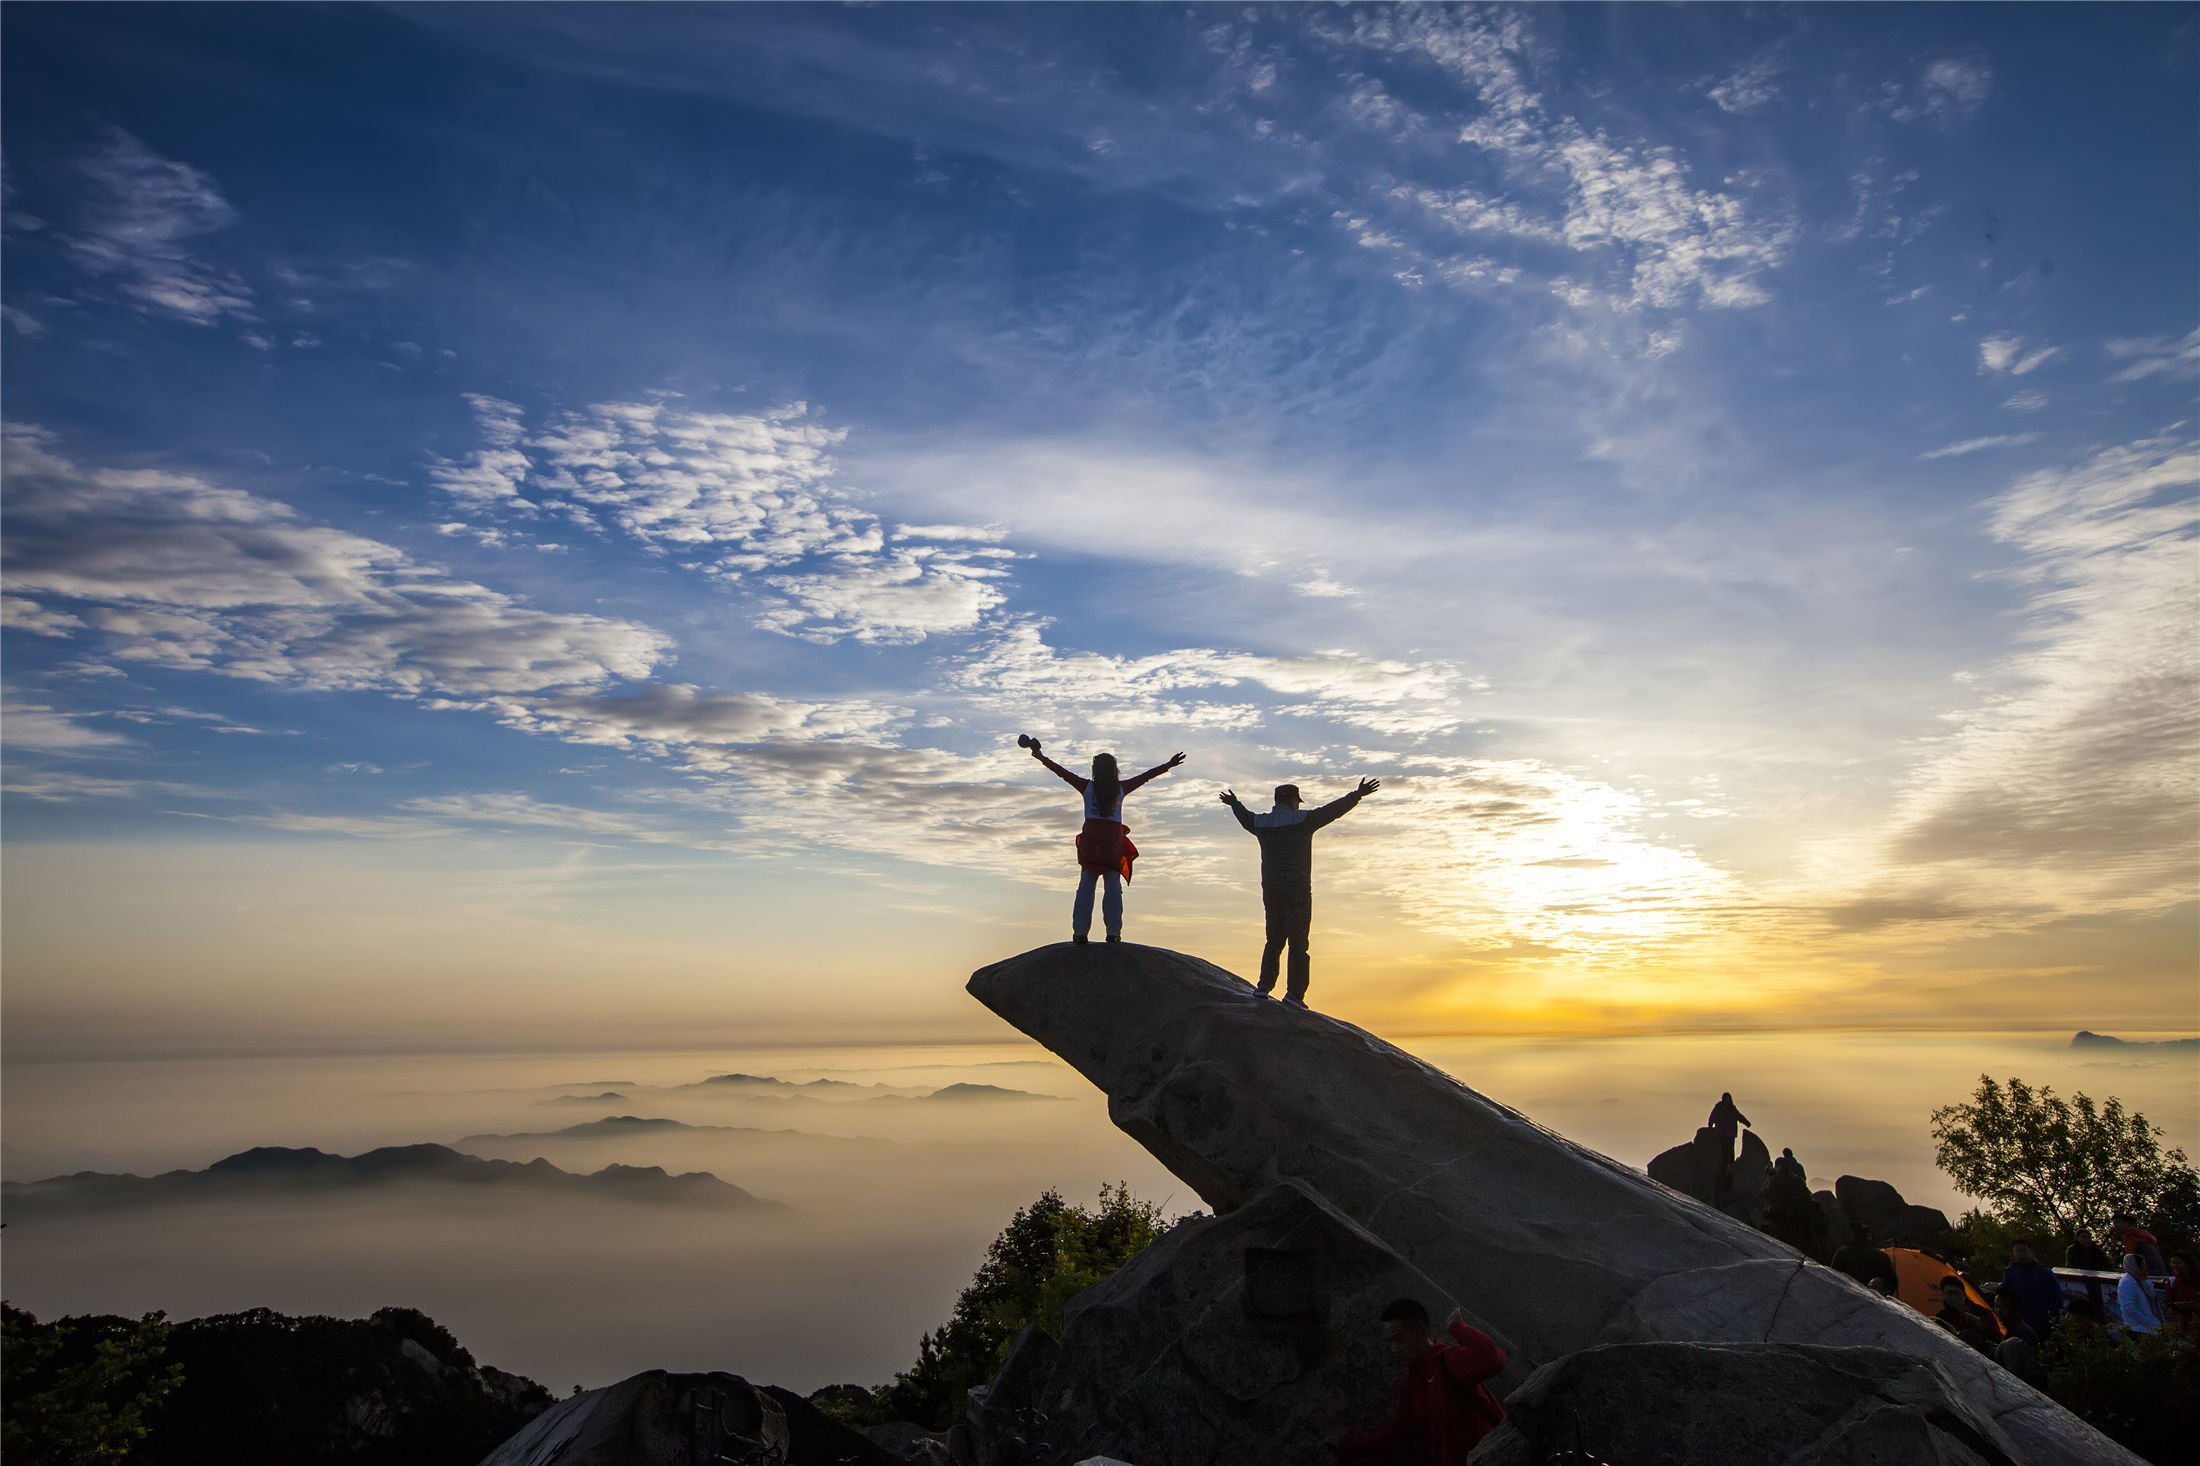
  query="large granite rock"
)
[
  {"x": 1546, "y": 1241},
  {"x": 662, "y": 1419},
  {"x": 1249, "y": 1337},
  {"x": 1744, "y": 1405}
]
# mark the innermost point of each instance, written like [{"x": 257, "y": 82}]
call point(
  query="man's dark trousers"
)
[{"x": 1290, "y": 918}]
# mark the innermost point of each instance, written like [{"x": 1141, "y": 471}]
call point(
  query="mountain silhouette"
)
[{"x": 272, "y": 1171}]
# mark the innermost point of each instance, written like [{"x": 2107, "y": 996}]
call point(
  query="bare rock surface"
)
[
  {"x": 1244, "y": 1337},
  {"x": 658, "y": 1418},
  {"x": 1544, "y": 1241},
  {"x": 1744, "y": 1405}
]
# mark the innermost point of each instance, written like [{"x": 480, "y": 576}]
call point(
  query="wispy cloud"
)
[
  {"x": 747, "y": 499},
  {"x": 2152, "y": 356},
  {"x": 2071, "y": 787},
  {"x": 176, "y": 571},
  {"x": 141, "y": 216},
  {"x": 2008, "y": 356},
  {"x": 1980, "y": 445}
]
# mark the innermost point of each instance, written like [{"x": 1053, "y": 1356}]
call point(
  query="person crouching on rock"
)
[
  {"x": 1104, "y": 848},
  {"x": 1286, "y": 835},
  {"x": 1446, "y": 1406}
]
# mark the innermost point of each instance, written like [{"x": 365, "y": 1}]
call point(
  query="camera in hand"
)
[{"x": 1025, "y": 740}]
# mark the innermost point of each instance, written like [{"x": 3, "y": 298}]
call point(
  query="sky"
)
[{"x": 536, "y": 528}]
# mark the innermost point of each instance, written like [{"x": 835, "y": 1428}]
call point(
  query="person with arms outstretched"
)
[
  {"x": 1104, "y": 848},
  {"x": 1286, "y": 835}
]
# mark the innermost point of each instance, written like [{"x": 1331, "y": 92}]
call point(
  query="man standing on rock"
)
[
  {"x": 1286, "y": 835},
  {"x": 1447, "y": 1405}
]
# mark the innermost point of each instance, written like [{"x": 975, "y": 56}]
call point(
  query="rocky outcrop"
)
[
  {"x": 1243, "y": 1337},
  {"x": 1744, "y": 1405},
  {"x": 662, "y": 1419},
  {"x": 1695, "y": 1170},
  {"x": 1555, "y": 1247},
  {"x": 1893, "y": 1221}
]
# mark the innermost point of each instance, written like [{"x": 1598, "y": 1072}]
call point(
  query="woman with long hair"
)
[{"x": 1104, "y": 848}]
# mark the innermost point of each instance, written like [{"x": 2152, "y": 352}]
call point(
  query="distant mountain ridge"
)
[
  {"x": 304, "y": 1170},
  {"x": 2087, "y": 1039}
]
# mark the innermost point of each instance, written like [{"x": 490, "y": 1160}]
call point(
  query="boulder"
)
[
  {"x": 1873, "y": 1204},
  {"x": 1744, "y": 1405},
  {"x": 1746, "y": 1187},
  {"x": 1679, "y": 1169},
  {"x": 658, "y": 1418},
  {"x": 1250, "y": 1337},
  {"x": 1545, "y": 1242},
  {"x": 1894, "y": 1222},
  {"x": 1829, "y": 1226}
]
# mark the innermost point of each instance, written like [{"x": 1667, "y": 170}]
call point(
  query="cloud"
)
[
  {"x": 2027, "y": 401},
  {"x": 665, "y": 718},
  {"x": 39, "y": 728},
  {"x": 2150, "y": 356},
  {"x": 1751, "y": 88},
  {"x": 51, "y": 787},
  {"x": 1949, "y": 91},
  {"x": 1628, "y": 206},
  {"x": 1980, "y": 445},
  {"x": 2006, "y": 356},
  {"x": 1018, "y": 672},
  {"x": 491, "y": 476},
  {"x": 142, "y": 212},
  {"x": 737, "y": 495},
  {"x": 2072, "y": 786},
  {"x": 19, "y": 614},
  {"x": 181, "y": 572}
]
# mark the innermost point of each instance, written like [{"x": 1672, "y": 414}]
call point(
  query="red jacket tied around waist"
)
[
  {"x": 1446, "y": 1407},
  {"x": 1105, "y": 845}
]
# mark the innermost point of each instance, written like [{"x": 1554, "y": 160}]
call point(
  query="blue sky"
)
[{"x": 1729, "y": 470}]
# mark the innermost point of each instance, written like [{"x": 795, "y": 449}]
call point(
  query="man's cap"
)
[{"x": 1287, "y": 791}]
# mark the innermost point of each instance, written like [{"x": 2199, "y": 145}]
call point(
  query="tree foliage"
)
[
  {"x": 75, "y": 1407},
  {"x": 1048, "y": 1254},
  {"x": 2051, "y": 1166},
  {"x": 2142, "y": 1391}
]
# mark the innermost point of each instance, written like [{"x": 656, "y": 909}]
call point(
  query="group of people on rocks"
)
[{"x": 1286, "y": 833}]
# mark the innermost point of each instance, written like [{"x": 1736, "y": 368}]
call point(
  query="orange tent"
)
[{"x": 1917, "y": 1278}]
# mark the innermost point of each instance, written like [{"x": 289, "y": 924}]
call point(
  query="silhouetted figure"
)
[
  {"x": 1863, "y": 1261},
  {"x": 1968, "y": 1322},
  {"x": 2184, "y": 1293},
  {"x": 2088, "y": 1255},
  {"x": 1446, "y": 1406},
  {"x": 2032, "y": 1284},
  {"x": 1286, "y": 835},
  {"x": 1724, "y": 1117},
  {"x": 1787, "y": 1202},
  {"x": 2019, "y": 1349},
  {"x": 1104, "y": 848},
  {"x": 2140, "y": 1243}
]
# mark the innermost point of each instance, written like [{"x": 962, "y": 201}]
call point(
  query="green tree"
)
[
  {"x": 2051, "y": 1166},
  {"x": 1048, "y": 1254},
  {"x": 85, "y": 1411}
]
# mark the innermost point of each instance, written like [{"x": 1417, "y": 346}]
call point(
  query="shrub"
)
[{"x": 1048, "y": 1254}]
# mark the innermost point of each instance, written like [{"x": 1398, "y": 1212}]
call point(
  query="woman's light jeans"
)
[{"x": 1111, "y": 904}]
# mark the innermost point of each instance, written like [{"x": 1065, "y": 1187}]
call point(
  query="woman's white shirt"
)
[{"x": 1092, "y": 801}]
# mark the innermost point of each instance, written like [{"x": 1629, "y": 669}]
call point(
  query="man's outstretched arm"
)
[
  {"x": 1244, "y": 815},
  {"x": 1338, "y": 808}
]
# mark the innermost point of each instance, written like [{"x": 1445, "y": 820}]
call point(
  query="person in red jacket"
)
[{"x": 1446, "y": 1406}]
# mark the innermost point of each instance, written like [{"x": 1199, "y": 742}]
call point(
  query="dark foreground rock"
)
[
  {"x": 663, "y": 1419},
  {"x": 1547, "y": 1242},
  {"x": 1744, "y": 1405},
  {"x": 1236, "y": 1338}
]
